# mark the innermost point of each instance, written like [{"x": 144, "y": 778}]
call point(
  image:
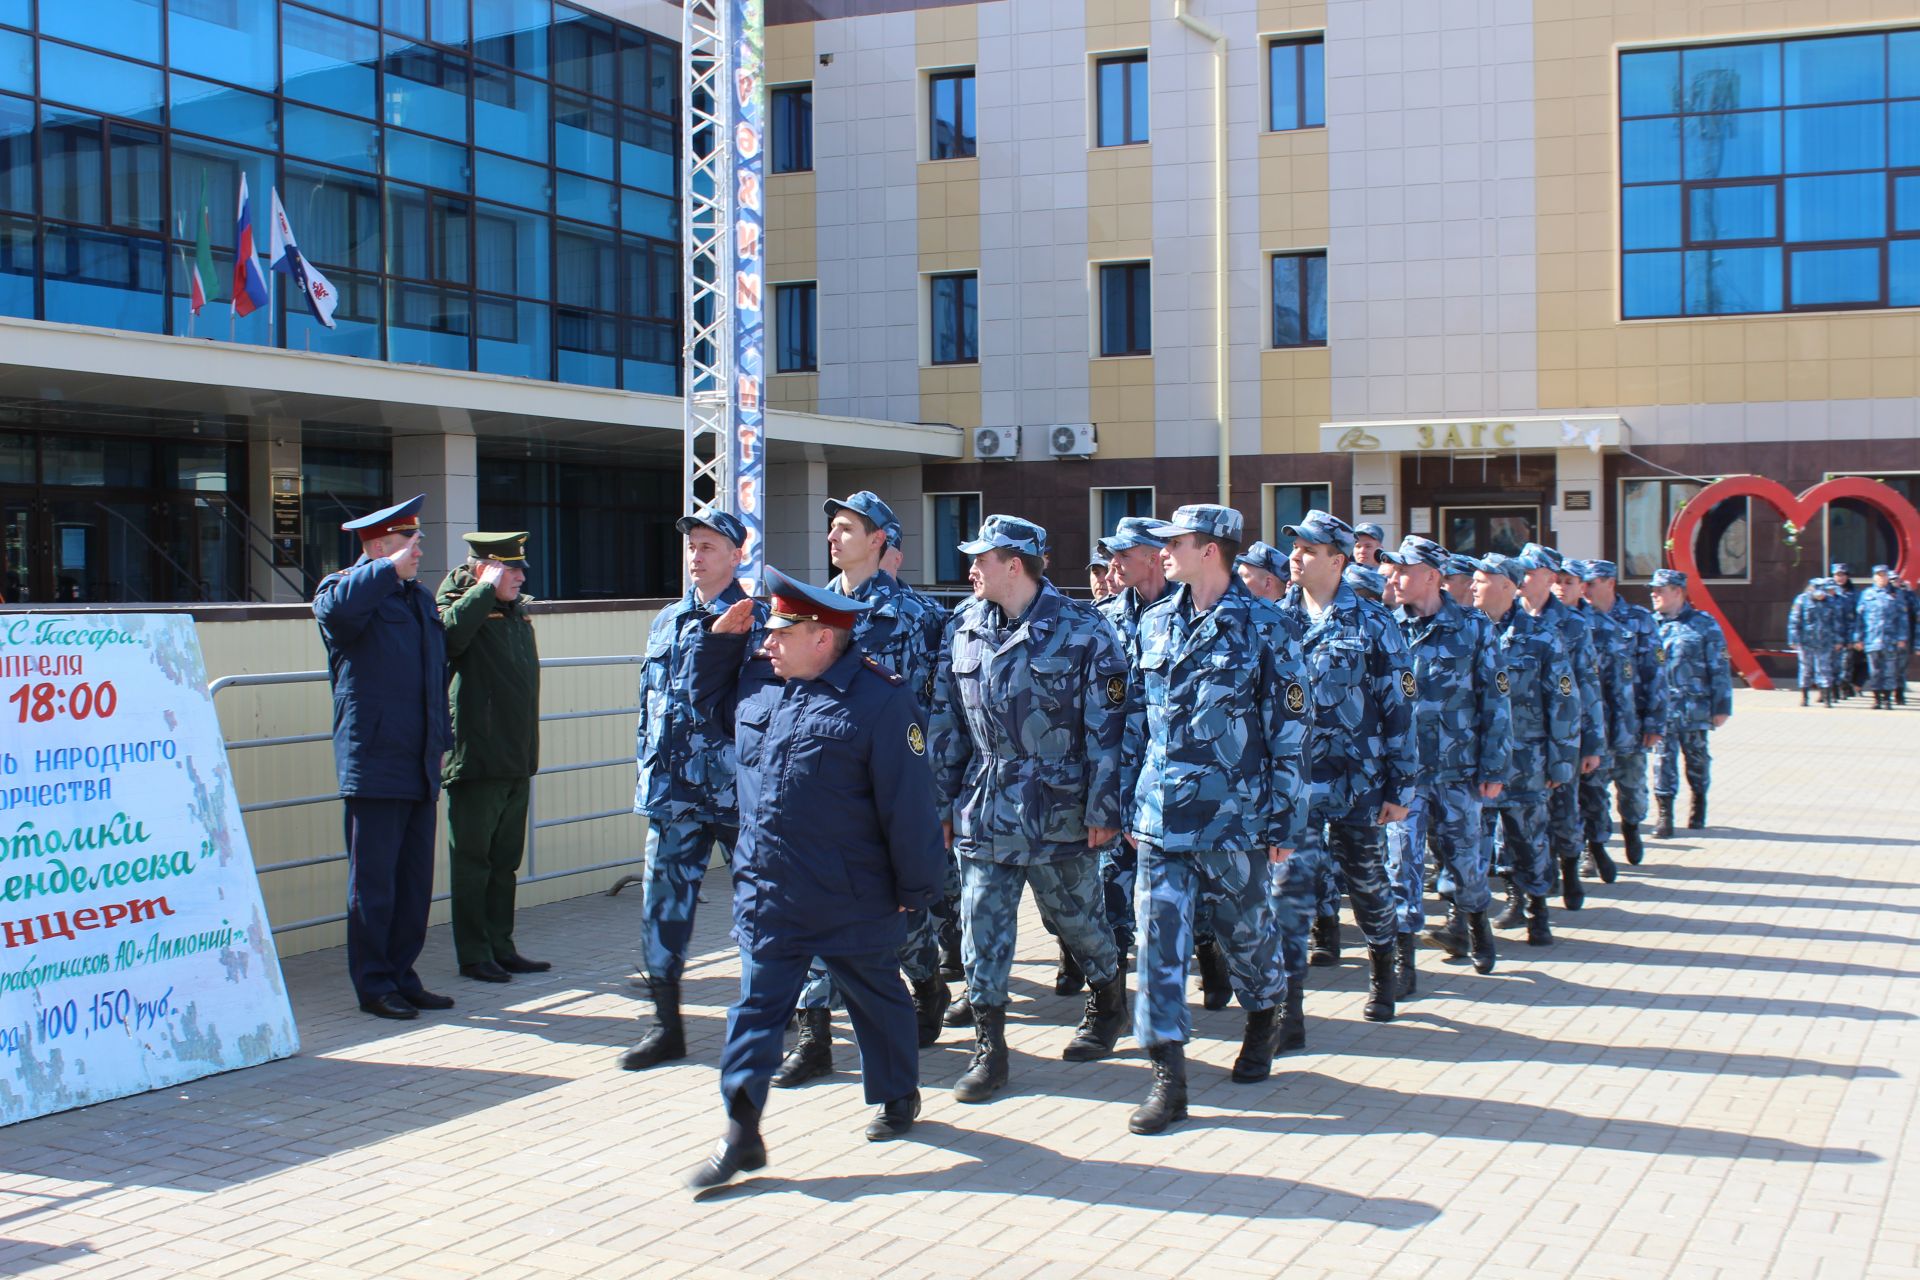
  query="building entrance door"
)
[
  {"x": 17, "y": 585},
  {"x": 1479, "y": 531}
]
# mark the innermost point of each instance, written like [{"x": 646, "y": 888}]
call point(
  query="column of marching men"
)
[{"x": 1837, "y": 630}]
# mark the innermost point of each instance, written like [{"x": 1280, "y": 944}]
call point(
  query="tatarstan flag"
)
[{"x": 202, "y": 274}]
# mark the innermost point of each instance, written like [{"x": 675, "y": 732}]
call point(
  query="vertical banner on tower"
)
[{"x": 749, "y": 120}]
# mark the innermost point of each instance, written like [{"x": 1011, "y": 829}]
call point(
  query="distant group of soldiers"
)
[
  {"x": 1193, "y": 768},
  {"x": 1836, "y": 628}
]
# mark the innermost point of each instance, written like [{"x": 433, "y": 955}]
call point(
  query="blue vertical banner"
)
[{"x": 749, "y": 120}]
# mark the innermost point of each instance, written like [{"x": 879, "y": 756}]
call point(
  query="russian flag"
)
[{"x": 249, "y": 286}]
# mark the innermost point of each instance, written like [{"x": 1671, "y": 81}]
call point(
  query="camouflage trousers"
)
[
  {"x": 1446, "y": 817},
  {"x": 1515, "y": 830},
  {"x": 1886, "y": 670},
  {"x": 1333, "y": 887},
  {"x": 919, "y": 954},
  {"x": 1816, "y": 667},
  {"x": 677, "y": 854},
  {"x": 1361, "y": 853},
  {"x": 1119, "y": 867},
  {"x": 1230, "y": 888},
  {"x": 1630, "y": 786},
  {"x": 1666, "y": 762},
  {"x": 1564, "y": 830},
  {"x": 1596, "y": 808},
  {"x": 1069, "y": 895}
]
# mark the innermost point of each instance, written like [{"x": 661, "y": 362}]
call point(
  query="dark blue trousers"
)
[
  {"x": 389, "y": 891},
  {"x": 877, "y": 1002}
]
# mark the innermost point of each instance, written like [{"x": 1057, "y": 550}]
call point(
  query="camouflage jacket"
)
[
  {"x": 1026, "y": 726},
  {"x": 1649, "y": 686},
  {"x": 1880, "y": 620},
  {"x": 1461, "y": 719},
  {"x": 1544, "y": 695},
  {"x": 1123, "y": 609},
  {"x": 900, "y": 632},
  {"x": 1576, "y": 637},
  {"x": 1613, "y": 647},
  {"x": 1813, "y": 624},
  {"x": 686, "y": 764},
  {"x": 1364, "y": 752},
  {"x": 1217, "y": 721},
  {"x": 1699, "y": 682}
]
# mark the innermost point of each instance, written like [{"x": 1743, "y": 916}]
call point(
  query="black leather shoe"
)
[
  {"x": 391, "y": 1005},
  {"x": 517, "y": 963},
  {"x": 726, "y": 1162},
  {"x": 485, "y": 971},
  {"x": 893, "y": 1119},
  {"x": 424, "y": 999}
]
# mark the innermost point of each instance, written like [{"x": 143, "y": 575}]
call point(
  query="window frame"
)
[
  {"x": 776, "y": 94},
  {"x": 1129, "y": 58},
  {"x": 935, "y": 79},
  {"x": 1095, "y": 530},
  {"x": 779, "y": 334},
  {"x": 1667, "y": 509},
  {"x": 958, "y": 320},
  {"x": 1270, "y": 520},
  {"x": 1298, "y": 44},
  {"x": 930, "y": 556},
  {"x": 1273, "y": 298},
  {"x": 1133, "y": 352}
]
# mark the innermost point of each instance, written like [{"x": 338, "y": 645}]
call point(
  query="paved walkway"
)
[{"x": 1711, "y": 1074}]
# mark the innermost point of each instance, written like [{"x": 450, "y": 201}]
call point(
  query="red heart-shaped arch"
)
[{"x": 1800, "y": 509}]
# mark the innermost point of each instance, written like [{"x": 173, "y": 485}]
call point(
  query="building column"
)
[
  {"x": 445, "y": 467},
  {"x": 1377, "y": 475},
  {"x": 796, "y": 529},
  {"x": 273, "y": 468},
  {"x": 1577, "y": 527}
]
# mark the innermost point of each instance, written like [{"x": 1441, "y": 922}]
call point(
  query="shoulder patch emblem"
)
[
  {"x": 1659, "y": 655},
  {"x": 916, "y": 740},
  {"x": 1116, "y": 690},
  {"x": 1566, "y": 685},
  {"x": 1500, "y": 682},
  {"x": 1296, "y": 698},
  {"x": 1408, "y": 685}
]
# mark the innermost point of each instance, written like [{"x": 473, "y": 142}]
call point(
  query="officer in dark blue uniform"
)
[
  {"x": 387, "y": 662},
  {"x": 839, "y": 848}
]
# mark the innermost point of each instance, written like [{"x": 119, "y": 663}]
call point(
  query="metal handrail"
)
[{"x": 530, "y": 873}]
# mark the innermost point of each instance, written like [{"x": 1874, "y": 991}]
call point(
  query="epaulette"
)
[{"x": 882, "y": 670}]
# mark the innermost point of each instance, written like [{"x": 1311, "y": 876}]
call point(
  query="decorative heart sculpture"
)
[{"x": 1800, "y": 510}]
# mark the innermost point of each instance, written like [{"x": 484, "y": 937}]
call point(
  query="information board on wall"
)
[{"x": 135, "y": 951}]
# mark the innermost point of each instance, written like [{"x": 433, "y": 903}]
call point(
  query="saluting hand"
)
[
  {"x": 491, "y": 571},
  {"x": 736, "y": 621}
]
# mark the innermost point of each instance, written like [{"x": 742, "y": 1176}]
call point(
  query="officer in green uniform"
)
[{"x": 495, "y": 691}]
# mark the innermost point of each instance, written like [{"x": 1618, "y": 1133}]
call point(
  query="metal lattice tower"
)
[{"x": 707, "y": 199}]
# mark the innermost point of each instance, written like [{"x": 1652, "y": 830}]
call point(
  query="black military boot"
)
[
  {"x": 1406, "y": 977},
  {"x": 1516, "y": 913},
  {"x": 959, "y": 1013},
  {"x": 1257, "y": 1047},
  {"x": 1451, "y": 937},
  {"x": 1216, "y": 984},
  {"x": 812, "y": 1055},
  {"x": 1697, "y": 811},
  {"x": 951, "y": 967},
  {"x": 1663, "y": 828},
  {"x": 1067, "y": 978},
  {"x": 1572, "y": 894},
  {"x": 1167, "y": 1102},
  {"x": 1630, "y": 839},
  {"x": 1803, "y": 697},
  {"x": 1325, "y": 941},
  {"x": 1103, "y": 1023},
  {"x": 1482, "y": 934},
  {"x": 1538, "y": 934},
  {"x": 1380, "y": 984},
  {"x": 666, "y": 1040},
  {"x": 1602, "y": 862},
  {"x": 930, "y": 1001},
  {"x": 987, "y": 1074},
  {"x": 1293, "y": 1019}
]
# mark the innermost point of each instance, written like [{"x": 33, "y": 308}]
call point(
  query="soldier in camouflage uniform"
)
[
  {"x": 1881, "y": 631},
  {"x": 1461, "y": 723},
  {"x": 1543, "y": 567},
  {"x": 1028, "y": 710},
  {"x": 1264, "y": 571},
  {"x": 686, "y": 774},
  {"x": 1699, "y": 695},
  {"x": 1845, "y": 598},
  {"x": 1214, "y": 791},
  {"x": 1364, "y": 760},
  {"x": 1613, "y": 647},
  {"x": 1367, "y": 541},
  {"x": 1544, "y": 702},
  {"x": 1810, "y": 630},
  {"x": 1459, "y": 580},
  {"x": 1636, "y": 622},
  {"x": 1097, "y": 565}
]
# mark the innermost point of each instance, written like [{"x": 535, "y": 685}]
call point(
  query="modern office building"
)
[{"x": 1494, "y": 270}]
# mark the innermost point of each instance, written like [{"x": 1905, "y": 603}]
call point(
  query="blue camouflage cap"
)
[
  {"x": 1370, "y": 530},
  {"x": 1415, "y": 549},
  {"x": 1099, "y": 559},
  {"x": 1133, "y": 531},
  {"x": 1264, "y": 555},
  {"x": 869, "y": 506},
  {"x": 1364, "y": 577},
  {"x": 794, "y": 601},
  {"x": 1322, "y": 527},
  {"x": 1536, "y": 556},
  {"x": 1667, "y": 578},
  {"x": 1512, "y": 568},
  {"x": 1459, "y": 566},
  {"x": 1581, "y": 569},
  {"x": 724, "y": 523},
  {"x": 1837, "y": 567},
  {"x": 1816, "y": 584},
  {"x": 1882, "y": 568},
  {"x": 1601, "y": 569},
  {"x": 1203, "y": 517},
  {"x": 1010, "y": 533}
]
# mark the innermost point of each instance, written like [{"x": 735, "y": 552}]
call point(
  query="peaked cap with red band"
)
[
  {"x": 797, "y": 602},
  {"x": 401, "y": 517}
]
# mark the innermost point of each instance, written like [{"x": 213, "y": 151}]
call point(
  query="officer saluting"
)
[
  {"x": 387, "y": 663},
  {"x": 839, "y": 843}
]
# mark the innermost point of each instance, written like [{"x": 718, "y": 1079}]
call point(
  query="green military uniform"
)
[{"x": 495, "y": 693}]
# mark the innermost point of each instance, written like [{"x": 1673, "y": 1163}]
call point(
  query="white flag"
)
[{"x": 288, "y": 262}]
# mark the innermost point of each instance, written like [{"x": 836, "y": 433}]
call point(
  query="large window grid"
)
[
  {"x": 575, "y": 121},
  {"x": 1771, "y": 176}
]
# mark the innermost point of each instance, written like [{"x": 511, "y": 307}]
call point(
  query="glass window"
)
[
  {"x": 1121, "y": 85},
  {"x": 510, "y": 251},
  {"x": 232, "y": 115},
  {"x": 100, "y": 278},
  {"x": 498, "y": 178},
  {"x": 76, "y": 186},
  {"x": 427, "y": 239},
  {"x": 16, "y": 154},
  {"x": 1650, "y": 150},
  {"x": 1903, "y": 133},
  {"x": 1296, "y": 84},
  {"x": 1730, "y": 281},
  {"x": 583, "y": 198},
  {"x": 793, "y": 128},
  {"x": 588, "y": 347},
  {"x": 649, "y": 215},
  {"x": 585, "y": 52},
  {"x": 1126, "y": 309},
  {"x": 1903, "y": 64},
  {"x": 1836, "y": 277},
  {"x": 584, "y": 134},
  {"x": 131, "y": 27},
  {"x": 357, "y": 318},
  {"x": 427, "y": 161},
  {"x": 651, "y": 358},
  {"x": 1731, "y": 213},
  {"x": 332, "y": 139},
  {"x": 1731, "y": 77},
  {"x": 1828, "y": 139},
  {"x": 1650, "y": 284},
  {"x": 1847, "y": 206},
  {"x": 1906, "y": 197},
  {"x": 1836, "y": 69},
  {"x": 17, "y": 12},
  {"x": 18, "y": 265},
  {"x": 442, "y": 20},
  {"x": 336, "y": 217},
  {"x": 1650, "y": 217},
  {"x": 134, "y": 165},
  {"x": 1289, "y": 503},
  {"x": 429, "y": 326},
  {"x": 16, "y": 61},
  {"x": 1647, "y": 508},
  {"x": 510, "y": 113},
  {"x": 99, "y": 83},
  {"x": 648, "y": 158},
  {"x": 232, "y": 40},
  {"x": 955, "y": 318},
  {"x": 512, "y": 33},
  {"x": 1299, "y": 299},
  {"x": 796, "y": 345},
  {"x": 512, "y": 337},
  {"x": 1115, "y": 505},
  {"x": 426, "y": 89},
  {"x": 330, "y": 63},
  {"x": 219, "y": 167},
  {"x": 1650, "y": 83},
  {"x": 587, "y": 271},
  {"x": 956, "y": 518},
  {"x": 950, "y": 115},
  {"x": 1742, "y": 145}
]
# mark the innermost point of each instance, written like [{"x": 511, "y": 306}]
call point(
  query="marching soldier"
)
[
  {"x": 1880, "y": 630},
  {"x": 1544, "y": 569},
  {"x": 495, "y": 696},
  {"x": 1649, "y": 702},
  {"x": 1810, "y": 632},
  {"x": 1613, "y": 649},
  {"x": 1699, "y": 698},
  {"x": 1845, "y": 599}
]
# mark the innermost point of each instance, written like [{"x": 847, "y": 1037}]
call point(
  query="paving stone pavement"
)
[{"x": 1711, "y": 1074}]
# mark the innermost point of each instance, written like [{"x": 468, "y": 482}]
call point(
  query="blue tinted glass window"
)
[
  {"x": 17, "y": 12},
  {"x": 510, "y": 251},
  {"x": 1730, "y": 77},
  {"x": 426, "y": 90},
  {"x": 16, "y": 61},
  {"x": 1903, "y": 273},
  {"x": 587, "y": 268},
  {"x": 950, "y": 116},
  {"x": 1851, "y": 206},
  {"x": 99, "y": 83},
  {"x": 1296, "y": 88},
  {"x": 1903, "y": 64},
  {"x": 73, "y": 148},
  {"x": 647, "y": 153},
  {"x": 134, "y": 163},
  {"x": 956, "y": 319},
  {"x": 588, "y": 346},
  {"x": 1650, "y": 217},
  {"x": 131, "y": 27},
  {"x": 585, "y": 53},
  {"x": 512, "y": 33},
  {"x": 428, "y": 161},
  {"x": 1299, "y": 299},
  {"x": 1733, "y": 146},
  {"x": 336, "y": 217},
  {"x": 331, "y": 63},
  {"x": 510, "y": 113},
  {"x": 16, "y": 154},
  {"x": 1650, "y": 150},
  {"x": 1838, "y": 69},
  {"x": 653, "y": 278},
  {"x": 793, "y": 129},
  {"x": 408, "y": 17},
  {"x": 1313, "y": 81},
  {"x": 584, "y": 133},
  {"x": 1732, "y": 213},
  {"x": 233, "y": 40},
  {"x": 498, "y": 178},
  {"x": 1828, "y": 139},
  {"x": 1833, "y": 277},
  {"x": 651, "y": 361},
  {"x": 793, "y": 327},
  {"x": 1650, "y": 284},
  {"x": 1126, "y": 309},
  {"x": 356, "y": 319},
  {"x": 512, "y": 337},
  {"x": 99, "y": 278},
  {"x": 1732, "y": 281},
  {"x": 221, "y": 112},
  {"x": 19, "y": 261},
  {"x": 331, "y": 139},
  {"x": 1122, "y": 108},
  {"x": 428, "y": 235},
  {"x": 1906, "y": 200},
  {"x": 1650, "y": 83},
  {"x": 1903, "y": 134},
  {"x": 367, "y": 11},
  {"x": 216, "y": 169},
  {"x": 649, "y": 215},
  {"x": 429, "y": 326},
  {"x": 587, "y": 199}
]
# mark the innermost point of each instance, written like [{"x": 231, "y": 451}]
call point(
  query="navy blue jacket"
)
[
  {"x": 838, "y": 829},
  {"x": 387, "y": 662}
]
